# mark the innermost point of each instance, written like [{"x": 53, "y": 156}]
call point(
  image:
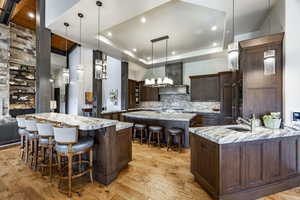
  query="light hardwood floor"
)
[{"x": 153, "y": 174}]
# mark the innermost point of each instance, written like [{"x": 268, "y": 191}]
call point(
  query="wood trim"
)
[
  {"x": 262, "y": 41},
  {"x": 204, "y": 76}
]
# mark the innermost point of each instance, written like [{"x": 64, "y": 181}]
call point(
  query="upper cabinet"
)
[
  {"x": 205, "y": 88},
  {"x": 148, "y": 93},
  {"x": 262, "y": 93}
]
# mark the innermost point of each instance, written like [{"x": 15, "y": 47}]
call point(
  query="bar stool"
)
[
  {"x": 46, "y": 142},
  {"x": 154, "y": 132},
  {"x": 142, "y": 129},
  {"x": 23, "y": 135},
  {"x": 32, "y": 137},
  {"x": 175, "y": 133},
  {"x": 67, "y": 145}
]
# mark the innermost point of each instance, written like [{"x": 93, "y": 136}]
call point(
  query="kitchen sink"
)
[{"x": 238, "y": 129}]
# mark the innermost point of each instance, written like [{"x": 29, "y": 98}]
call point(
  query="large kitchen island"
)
[
  {"x": 231, "y": 163},
  {"x": 112, "y": 142},
  {"x": 163, "y": 119}
]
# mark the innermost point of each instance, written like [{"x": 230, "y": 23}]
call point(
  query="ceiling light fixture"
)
[
  {"x": 214, "y": 28},
  {"x": 233, "y": 48},
  {"x": 31, "y": 15},
  {"x": 135, "y": 50},
  {"x": 109, "y": 34},
  {"x": 143, "y": 20},
  {"x": 66, "y": 71},
  {"x": 148, "y": 58},
  {"x": 80, "y": 66},
  {"x": 269, "y": 55},
  {"x": 173, "y": 53},
  {"x": 100, "y": 63},
  {"x": 159, "y": 82},
  {"x": 215, "y": 44}
]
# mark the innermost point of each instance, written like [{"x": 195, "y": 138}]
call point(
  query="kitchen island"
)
[
  {"x": 163, "y": 119},
  {"x": 112, "y": 142},
  {"x": 231, "y": 163}
]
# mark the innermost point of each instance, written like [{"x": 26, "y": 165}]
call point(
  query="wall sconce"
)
[
  {"x": 269, "y": 62},
  {"x": 233, "y": 56}
]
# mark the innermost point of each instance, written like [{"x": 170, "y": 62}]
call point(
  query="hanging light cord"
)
[
  {"x": 269, "y": 6},
  {"x": 233, "y": 20},
  {"x": 152, "y": 59},
  {"x": 80, "y": 53},
  {"x": 166, "y": 51},
  {"x": 66, "y": 34},
  {"x": 98, "y": 28}
]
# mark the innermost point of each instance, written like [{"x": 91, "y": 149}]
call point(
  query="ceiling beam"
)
[{"x": 7, "y": 10}]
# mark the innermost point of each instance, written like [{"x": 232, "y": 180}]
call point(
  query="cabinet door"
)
[
  {"x": 226, "y": 93},
  {"x": 149, "y": 94},
  {"x": 131, "y": 93},
  {"x": 205, "y": 88}
]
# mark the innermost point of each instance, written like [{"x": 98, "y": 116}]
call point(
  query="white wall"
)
[
  {"x": 77, "y": 87},
  {"x": 292, "y": 64},
  {"x": 113, "y": 82}
]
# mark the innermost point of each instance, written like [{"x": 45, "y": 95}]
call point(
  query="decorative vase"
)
[{"x": 272, "y": 123}]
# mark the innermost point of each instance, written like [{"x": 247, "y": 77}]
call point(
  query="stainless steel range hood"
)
[{"x": 175, "y": 72}]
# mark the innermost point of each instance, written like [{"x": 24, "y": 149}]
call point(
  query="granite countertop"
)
[
  {"x": 197, "y": 111},
  {"x": 112, "y": 111},
  {"x": 160, "y": 116},
  {"x": 84, "y": 123},
  {"x": 223, "y": 135},
  {"x": 123, "y": 125}
]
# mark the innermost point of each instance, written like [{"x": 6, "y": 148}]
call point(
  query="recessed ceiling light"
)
[
  {"x": 31, "y": 15},
  {"x": 173, "y": 53},
  {"x": 215, "y": 44},
  {"x": 214, "y": 28},
  {"x": 148, "y": 58},
  {"x": 109, "y": 34},
  {"x": 135, "y": 50},
  {"x": 143, "y": 20}
]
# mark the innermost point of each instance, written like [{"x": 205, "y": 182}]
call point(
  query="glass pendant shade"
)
[
  {"x": 98, "y": 69},
  {"x": 66, "y": 76},
  {"x": 269, "y": 62},
  {"x": 233, "y": 56}
]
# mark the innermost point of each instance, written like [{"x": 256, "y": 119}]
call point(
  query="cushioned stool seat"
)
[
  {"x": 43, "y": 141},
  {"x": 78, "y": 147},
  {"x": 155, "y": 128},
  {"x": 175, "y": 131},
  {"x": 140, "y": 126},
  {"x": 31, "y": 136},
  {"x": 22, "y": 131}
]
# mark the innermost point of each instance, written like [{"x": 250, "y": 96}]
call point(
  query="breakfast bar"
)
[{"x": 112, "y": 142}]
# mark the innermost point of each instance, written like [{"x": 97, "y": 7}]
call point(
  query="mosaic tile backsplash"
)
[{"x": 180, "y": 102}]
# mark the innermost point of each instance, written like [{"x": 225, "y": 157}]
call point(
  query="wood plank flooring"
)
[{"x": 154, "y": 174}]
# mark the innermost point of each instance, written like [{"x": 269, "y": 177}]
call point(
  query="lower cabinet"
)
[
  {"x": 206, "y": 120},
  {"x": 246, "y": 170}
]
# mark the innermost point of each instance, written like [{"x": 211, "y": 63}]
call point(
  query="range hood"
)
[{"x": 175, "y": 72}]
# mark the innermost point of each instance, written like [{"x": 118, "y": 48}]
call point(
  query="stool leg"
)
[
  {"x": 142, "y": 135},
  {"x": 50, "y": 161},
  {"x": 134, "y": 134},
  {"x": 26, "y": 149},
  {"x": 169, "y": 142},
  {"x": 180, "y": 143},
  {"x": 59, "y": 163},
  {"x": 149, "y": 138},
  {"x": 70, "y": 171},
  {"x": 36, "y": 152},
  {"x": 158, "y": 138},
  {"x": 80, "y": 162},
  {"x": 91, "y": 165},
  {"x": 22, "y": 147}
]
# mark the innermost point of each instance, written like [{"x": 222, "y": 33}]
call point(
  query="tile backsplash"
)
[{"x": 179, "y": 102}]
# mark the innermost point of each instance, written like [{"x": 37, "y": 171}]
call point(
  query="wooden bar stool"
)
[
  {"x": 23, "y": 135},
  {"x": 155, "y": 132},
  {"x": 67, "y": 145},
  {"x": 142, "y": 129},
  {"x": 46, "y": 142},
  {"x": 32, "y": 148},
  {"x": 172, "y": 134}
]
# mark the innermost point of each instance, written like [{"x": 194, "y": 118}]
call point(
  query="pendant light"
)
[
  {"x": 233, "y": 48},
  {"x": 100, "y": 64},
  {"x": 269, "y": 55},
  {"x": 66, "y": 71},
  {"x": 159, "y": 82},
  {"x": 80, "y": 66}
]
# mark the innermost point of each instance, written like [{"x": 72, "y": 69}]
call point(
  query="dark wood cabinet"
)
[
  {"x": 132, "y": 85},
  {"x": 202, "y": 120},
  {"x": 148, "y": 93},
  {"x": 226, "y": 96},
  {"x": 246, "y": 170},
  {"x": 262, "y": 94},
  {"x": 205, "y": 88}
]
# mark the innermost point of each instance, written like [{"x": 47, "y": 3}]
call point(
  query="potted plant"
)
[{"x": 272, "y": 120}]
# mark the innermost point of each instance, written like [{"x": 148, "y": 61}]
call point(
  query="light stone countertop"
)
[
  {"x": 198, "y": 111},
  {"x": 223, "y": 135},
  {"x": 112, "y": 111},
  {"x": 160, "y": 116},
  {"x": 84, "y": 123},
  {"x": 123, "y": 125}
]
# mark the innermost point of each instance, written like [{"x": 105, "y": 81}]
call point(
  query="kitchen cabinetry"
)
[
  {"x": 226, "y": 94},
  {"x": 148, "y": 93},
  {"x": 133, "y": 93},
  {"x": 262, "y": 94},
  {"x": 205, "y": 88},
  {"x": 206, "y": 120}
]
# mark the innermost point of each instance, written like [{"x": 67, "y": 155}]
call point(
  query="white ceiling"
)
[{"x": 187, "y": 22}]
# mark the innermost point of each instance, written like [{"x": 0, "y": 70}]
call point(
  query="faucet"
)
[{"x": 251, "y": 122}]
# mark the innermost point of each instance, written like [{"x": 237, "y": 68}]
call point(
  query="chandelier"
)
[{"x": 164, "y": 81}]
